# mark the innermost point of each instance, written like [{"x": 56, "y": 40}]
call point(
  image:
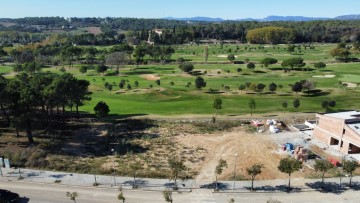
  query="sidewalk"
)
[{"x": 87, "y": 180}]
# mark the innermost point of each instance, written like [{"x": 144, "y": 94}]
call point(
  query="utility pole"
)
[
  {"x": 235, "y": 171},
  {"x": 113, "y": 151}
]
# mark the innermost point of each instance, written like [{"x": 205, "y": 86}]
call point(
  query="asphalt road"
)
[{"x": 52, "y": 193}]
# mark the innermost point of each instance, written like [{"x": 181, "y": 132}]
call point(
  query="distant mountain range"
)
[{"x": 268, "y": 19}]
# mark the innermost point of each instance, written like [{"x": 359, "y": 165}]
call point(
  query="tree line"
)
[
  {"x": 331, "y": 31},
  {"x": 41, "y": 99}
]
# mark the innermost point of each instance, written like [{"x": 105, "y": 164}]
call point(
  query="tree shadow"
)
[
  {"x": 327, "y": 187},
  {"x": 318, "y": 94},
  {"x": 23, "y": 200},
  {"x": 139, "y": 72},
  {"x": 259, "y": 71},
  {"x": 354, "y": 186},
  {"x": 138, "y": 183},
  {"x": 220, "y": 186},
  {"x": 214, "y": 92},
  {"x": 281, "y": 188},
  {"x": 164, "y": 68},
  {"x": 58, "y": 176},
  {"x": 284, "y": 95}
]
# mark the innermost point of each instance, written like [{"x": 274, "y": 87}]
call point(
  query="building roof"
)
[
  {"x": 355, "y": 127},
  {"x": 345, "y": 115}
]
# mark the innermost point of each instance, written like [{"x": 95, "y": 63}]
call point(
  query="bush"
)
[
  {"x": 37, "y": 159},
  {"x": 251, "y": 65},
  {"x": 319, "y": 65},
  {"x": 101, "y": 109},
  {"x": 180, "y": 60},
  {"x": 186, "y": 67}
]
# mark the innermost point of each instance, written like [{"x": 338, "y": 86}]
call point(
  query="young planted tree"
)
[
  {"x": 121, "y": 196},
  {"x": 297, "y": 87},
  {"x": 217, "y": 106},
  {"x": 168, "y": 196},
  {"x": 176, "y": 167},
  {"x": 323, "y": 166},
  {"x": 332, "y": 103},
  {"x": 222, "y": 164},
  {"x": 200, "y": 82},
  {"x": 280, "y": 87},
  {"x": 206, "y": 50},
  {"x": 253, "y": 171},
  {"x": 272, "y": 87},
  {"x": 349, "y": 167},
  {"x": 231, "y": 58},
  {"x": 252, "y": 105},
  {"x": 296, "y": 103},
  {"x": 289, "y": 165},
  {"x": 135, "y": 167},
  {"x": 109, "y": 87},
  {"x": 242, "y": 87},
  {"x": 325, "y": 105},
  {"x": 72, "y": 196},
  {"x": 284, "y": 104}
]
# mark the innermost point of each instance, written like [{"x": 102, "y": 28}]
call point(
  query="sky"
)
[{"x": 226, "y": 9}]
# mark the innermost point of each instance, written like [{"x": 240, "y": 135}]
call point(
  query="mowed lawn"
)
[{"x": 175, "y": 96}]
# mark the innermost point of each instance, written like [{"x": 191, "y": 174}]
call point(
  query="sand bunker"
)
[
  {"x": 223, "y": 56},
  {"x": 349, "y": 84},
  {"x": 324, "y": 76},
  {"x": 150, "y": 77}
]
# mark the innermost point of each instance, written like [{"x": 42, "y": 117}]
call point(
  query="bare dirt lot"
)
[
  {"x": 86, "y": 148},
  {"x": 250, "y": 148}
]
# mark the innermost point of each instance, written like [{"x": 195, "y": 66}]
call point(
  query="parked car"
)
[{"x": 8, "y": 197}]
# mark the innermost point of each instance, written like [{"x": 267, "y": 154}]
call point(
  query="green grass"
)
[
  {"x": 5, "y": 69},
  {"x": 178, "y": 99}
]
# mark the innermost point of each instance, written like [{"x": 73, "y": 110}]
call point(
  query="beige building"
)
[{"x": 340, "y": 130}]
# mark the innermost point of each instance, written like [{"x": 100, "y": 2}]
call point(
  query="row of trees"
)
[
  {"x": 271, "y": 35},
  {"x": 290, "y": 165},
  {"x": 29, "y": 99},
  {"x": 286, "y": 165},
  {"x": 117, "y": 56}
]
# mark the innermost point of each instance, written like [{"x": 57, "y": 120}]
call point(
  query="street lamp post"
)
[
  {"x": 113, "y": 151},
  {"x": 235, "y": 171}
]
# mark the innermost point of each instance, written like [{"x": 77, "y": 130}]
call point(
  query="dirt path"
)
[{"x": 253, "y": 148}]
